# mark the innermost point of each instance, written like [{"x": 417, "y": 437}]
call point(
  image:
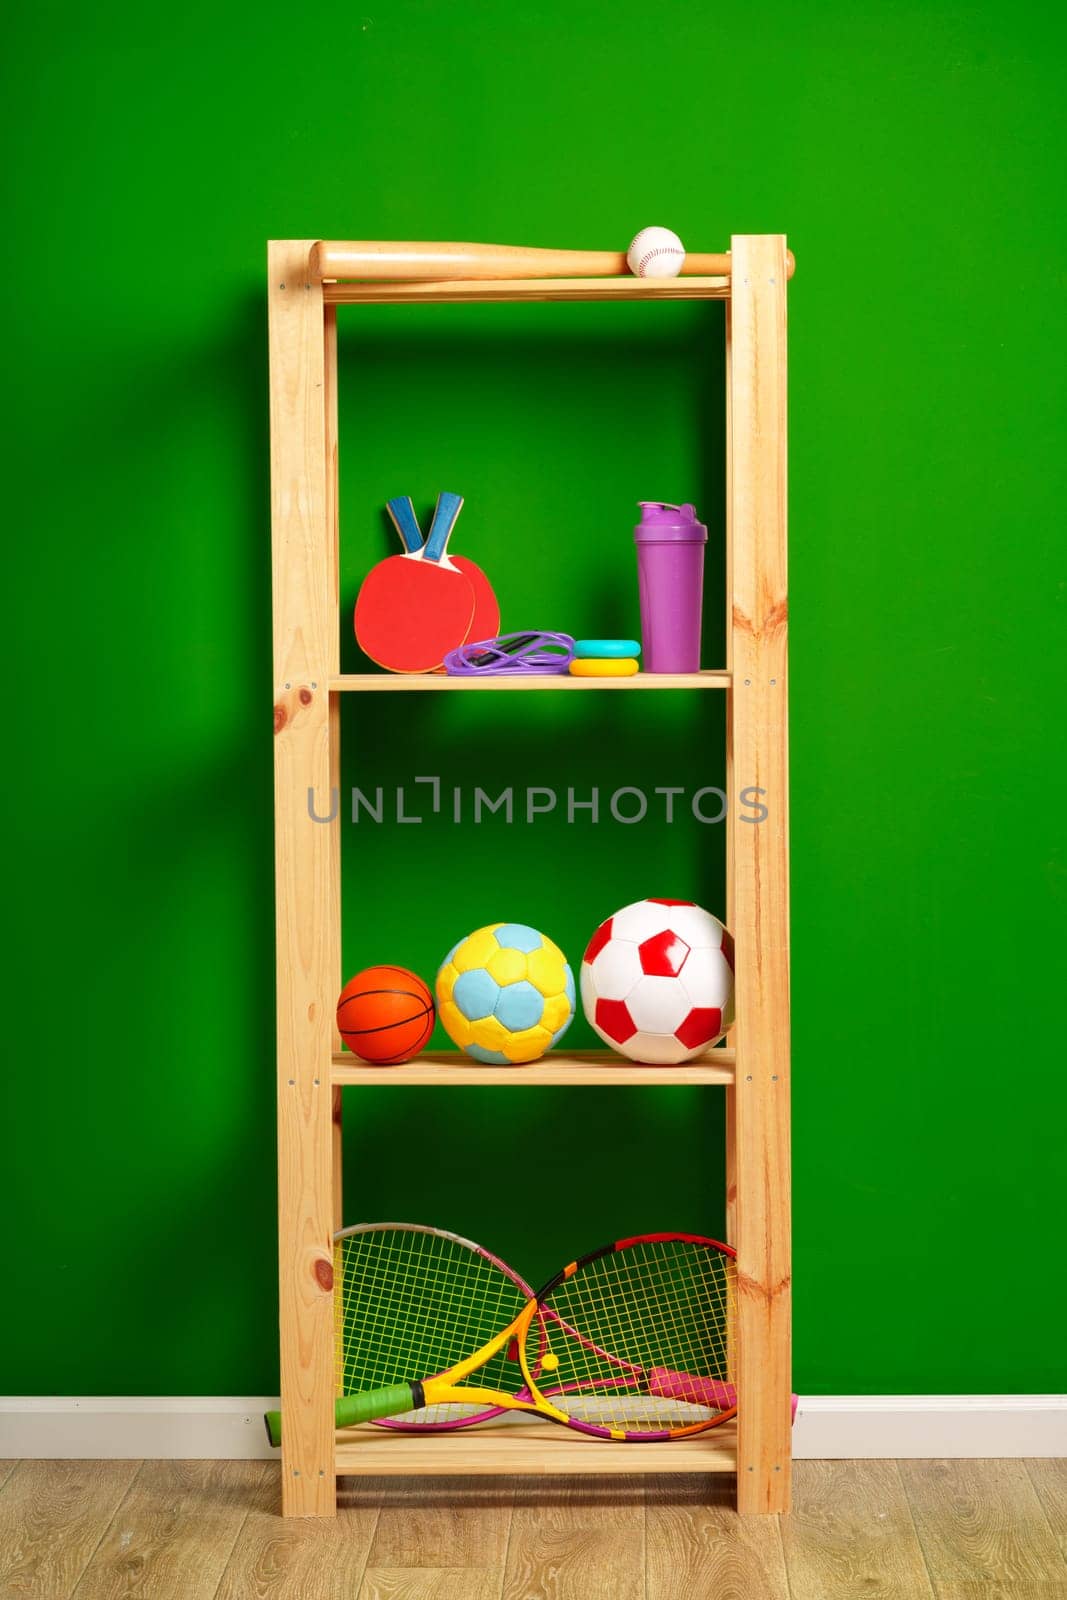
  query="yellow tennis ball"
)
[{"x": 549, "y": 1362}]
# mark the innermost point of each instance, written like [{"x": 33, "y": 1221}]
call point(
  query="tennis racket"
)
[
  {"x": 630, "y": 1343},
  {"x": 438, "y": 1294}
]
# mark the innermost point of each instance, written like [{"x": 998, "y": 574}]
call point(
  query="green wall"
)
[{"x": 913, "y": 154}]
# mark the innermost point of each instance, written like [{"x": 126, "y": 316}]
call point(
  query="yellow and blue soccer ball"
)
[{"x": 505, "y": 994}]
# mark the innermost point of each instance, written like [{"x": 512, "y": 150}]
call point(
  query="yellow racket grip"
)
[{"x": 353, "y": 1408}]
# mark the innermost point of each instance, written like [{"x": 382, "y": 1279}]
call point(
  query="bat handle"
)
[
  {"x": 406, "y": 523},
  {"x": 352, "y": 1408},
  {"x": 445, "y": 513}
]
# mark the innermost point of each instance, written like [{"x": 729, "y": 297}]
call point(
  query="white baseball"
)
[{"x": 656, "y": 253}]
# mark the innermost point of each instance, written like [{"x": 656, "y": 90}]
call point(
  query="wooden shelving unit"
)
[{"x": 312, "y": 1072}]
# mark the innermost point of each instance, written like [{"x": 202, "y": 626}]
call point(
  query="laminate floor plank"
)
[
  {"x": 1053, "y": 1590},
  {"x": 1049, "y": 1478},
  {"x": 851, "y": 1533},
  {"x": 580, "y": 1538},
  {"x": 300, "y": 1558},
  {"x": 981, "y": 1521},
  {"x": 53, "y": 1515},
  {"x": 174, "y": 1532},
  {"x": 424, "y": 1583},
  {"x": 438, "y": 1523},
  {"x": 696, "y": 1545},
  {"x": 6, "y": 1469}
]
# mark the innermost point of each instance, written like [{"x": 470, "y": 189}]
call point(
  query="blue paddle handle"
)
[
  {"x": 406, "y": 522},
  {"x": 446, "y": 511}
]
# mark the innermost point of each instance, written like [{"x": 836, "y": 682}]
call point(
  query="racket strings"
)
[
  {"x": 409, "y": 1304},
  {"x": 649, "y": 1316}
]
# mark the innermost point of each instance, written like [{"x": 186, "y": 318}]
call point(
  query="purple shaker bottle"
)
[{"x": 670, "y": 575}]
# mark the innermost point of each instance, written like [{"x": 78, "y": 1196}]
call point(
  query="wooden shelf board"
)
[
  {"x": 539, "y": 1448},
  {"x": 474, "y": 291},
  {"x": 576, "y": 1068},
  {"x": 379, "y": 682}
]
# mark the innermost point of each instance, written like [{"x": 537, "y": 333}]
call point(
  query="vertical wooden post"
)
[
  {"x": 305, "y": 657},
  {"x": 729, "y": 1094},
  {"x": 757, "y": 381},
  {"x": 333, "y": 550}
]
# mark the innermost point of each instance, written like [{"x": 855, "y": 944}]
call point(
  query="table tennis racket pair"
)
[{"x": 413, "y": 609}]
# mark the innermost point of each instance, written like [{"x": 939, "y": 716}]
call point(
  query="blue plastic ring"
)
[{"x": 606, "y": 649}]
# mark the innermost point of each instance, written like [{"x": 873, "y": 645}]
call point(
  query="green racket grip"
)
[
  {"x": 353, "y": 1408},
  {"x": 377, "y": 1403}
]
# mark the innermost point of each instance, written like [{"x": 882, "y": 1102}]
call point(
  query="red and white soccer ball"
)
[{"x": 658, "y": 981}]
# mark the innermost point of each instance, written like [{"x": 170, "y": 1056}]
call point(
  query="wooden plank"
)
[
  {"x": 413, "y": 682},
  {"x": 851, "y": 1533},
  {"x": 730, "y": 1108},
  {"x": 578, "y": 1067},
  {"x": 525, "y": 1448},
  {"x": 427, "y": 1583},
  {"x": 1049, "y": 1478},
  {"x": 1054, "y": 1589},
  {"x": 276, "y": 1559},
  {"x": 442, "y": 1524},
  {"x": 478, "y": 291},
  {"x": 761, "y": 866},
  {"x": 697, "y": 1545},
  {"x": 175, "y": 1530},
  {"x": 577, "y": 1539},
  {"x": 306, "y": 656},
  {"x": 53, "y": 1514},
  {"x": 333, "y": 555},
  {"x": 333, "y": 551},
  {"x": 981, "y": 1521},
  {"x": 6, "y": 1469}
]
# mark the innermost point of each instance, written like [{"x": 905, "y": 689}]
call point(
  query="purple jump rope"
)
[{"x": 518, "y": 654}]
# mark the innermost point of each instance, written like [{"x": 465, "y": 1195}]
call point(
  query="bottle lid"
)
[{"x": 662, "y": 521}]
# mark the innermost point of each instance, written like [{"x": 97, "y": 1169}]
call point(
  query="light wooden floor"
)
[{"x": 206, "y": 1530}]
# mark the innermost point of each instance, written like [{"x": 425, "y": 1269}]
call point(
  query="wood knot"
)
[
  {"x": 281, "y": 717},
  {"x": 323, "y": 1270},
  {"x": 772, "y": 618},
  {"x": 305, "y": 697}
]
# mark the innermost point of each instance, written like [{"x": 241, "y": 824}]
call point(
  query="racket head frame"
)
[
  {"x": 408, "y": 1423},
  {"x": 539, "y": 1397}
]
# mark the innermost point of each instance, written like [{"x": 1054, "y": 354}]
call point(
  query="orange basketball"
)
[{"x": 385, "y": 1015}]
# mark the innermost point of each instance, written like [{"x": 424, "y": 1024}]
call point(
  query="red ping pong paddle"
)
[
  {"x": 413, "y": 609},
  {"x": 485, "y": 624}
]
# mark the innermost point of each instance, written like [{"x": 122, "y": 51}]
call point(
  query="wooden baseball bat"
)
[{"x": 409, "y": 261}]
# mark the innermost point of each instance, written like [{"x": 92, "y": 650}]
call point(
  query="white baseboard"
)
[
  {"x": 827, "y": 1426},
  {"x": 151, "y": 1427},
  {"x": 895, "y": 1426}
]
